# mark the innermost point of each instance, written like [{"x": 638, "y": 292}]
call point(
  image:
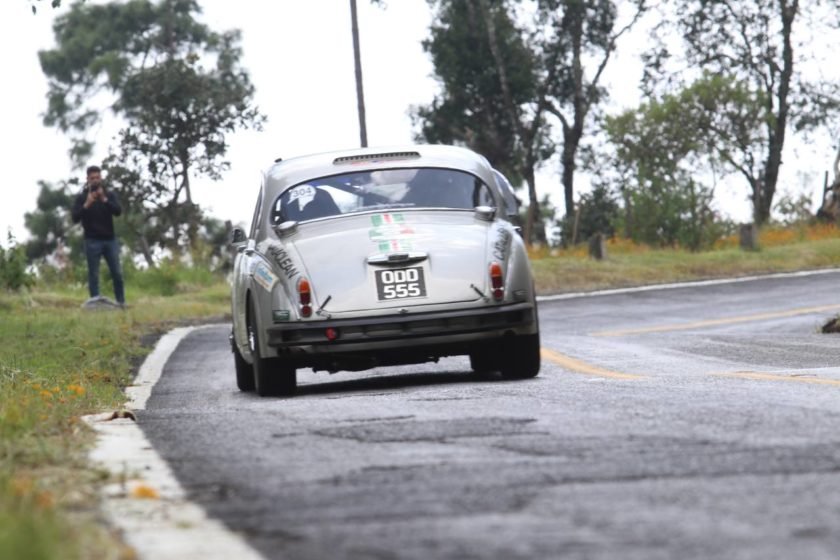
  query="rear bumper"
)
[{"x": 403, "y": 331}]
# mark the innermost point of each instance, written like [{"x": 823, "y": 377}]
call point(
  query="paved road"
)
[{"x": 688, "y": 423}]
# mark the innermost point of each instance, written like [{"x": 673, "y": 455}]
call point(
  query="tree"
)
[
  {"x": 597, "y": 212},
  {"x": 755, "y": 42},
  {"x": 492, "y": 108},
  {"x": 176, "y": 85},
  {"x": 667, "y": 149},
  {"x": 51, "y": 225},
  {"x": 578, "y": 36},
  {"x": 501, "y": 109}
]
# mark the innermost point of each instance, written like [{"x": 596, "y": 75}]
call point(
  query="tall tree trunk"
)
[
  {"x": 191, "y": 211},
  {"x": 776, "y": 144},
  {"x": 570, "y": 145},
  {"x": 573, "y": 133},
  {"x": 145, "y": 249},
  {"x": 357, "y": 58},
  {"x": 533, "y": 204}
]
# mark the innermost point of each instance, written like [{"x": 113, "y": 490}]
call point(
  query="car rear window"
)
[{"x": 381, "y": 189}]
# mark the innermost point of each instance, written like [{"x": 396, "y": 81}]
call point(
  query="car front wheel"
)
[
  {"x": 244, "y": 371},
  {"x": 272, "y": 376}
]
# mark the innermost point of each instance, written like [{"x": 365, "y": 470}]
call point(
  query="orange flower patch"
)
[
  {"x": 144, "y": 492},
  {"x": 76, "y": 390}
]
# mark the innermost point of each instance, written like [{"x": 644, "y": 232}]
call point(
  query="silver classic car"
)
[{"x": 376, "y": 257}]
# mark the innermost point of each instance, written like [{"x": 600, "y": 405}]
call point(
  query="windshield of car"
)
[{"x": 381, "y": 189}]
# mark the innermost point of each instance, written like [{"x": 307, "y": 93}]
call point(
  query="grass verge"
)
[
  {"x": 575, "y": 272},
  {"x": 58, "y": 363}
]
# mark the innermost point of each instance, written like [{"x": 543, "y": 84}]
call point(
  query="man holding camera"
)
[{"x": 96, "y": 208}]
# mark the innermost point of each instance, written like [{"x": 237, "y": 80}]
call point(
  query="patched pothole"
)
[{"x": 429, "y": 430}]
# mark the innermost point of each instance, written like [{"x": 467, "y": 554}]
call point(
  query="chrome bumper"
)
[{"x": 413, "y": 329}]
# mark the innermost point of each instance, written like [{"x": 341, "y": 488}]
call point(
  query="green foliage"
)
[
  {"x": 57, "y": 363},
  {"x": 471, "y": 108},
  {"x": 795, "y": 210},
  {"x": 546, "y": 216},
  {"x": 169, "y": 278},
  {"x": 526, "y": 62},
  {"x": 757, "y": 42},
  {"x": 711, "y": 124},
  {"x": 672, "y": 215},
  {"x": 665, "y": 149},
  {"x": 13, "y": 268},
  {"x": 51, "y": 225},
  {"x": 178, "y": 86},
  {"x": 598, "y": 212}
]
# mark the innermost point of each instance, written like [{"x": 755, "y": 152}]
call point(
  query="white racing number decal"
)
[{"x": 400, "y": 283}]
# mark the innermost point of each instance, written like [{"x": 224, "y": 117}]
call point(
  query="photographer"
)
[{"x": 95, "y": 208}]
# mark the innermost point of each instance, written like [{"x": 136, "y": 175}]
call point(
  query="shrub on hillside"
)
[{"x": 13, "y": 268}]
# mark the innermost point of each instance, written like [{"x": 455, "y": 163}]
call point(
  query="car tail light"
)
[
  {"x": 497, "y": 281},
  {"x": 305, "y": 297}
]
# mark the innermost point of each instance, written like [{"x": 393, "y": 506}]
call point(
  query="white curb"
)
[{"x": 167, "y": 526}]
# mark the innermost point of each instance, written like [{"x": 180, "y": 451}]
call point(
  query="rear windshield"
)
[{"x": 385, "y": 188}]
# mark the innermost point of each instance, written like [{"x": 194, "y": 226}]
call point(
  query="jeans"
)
[{"x": 110, "y": 249}]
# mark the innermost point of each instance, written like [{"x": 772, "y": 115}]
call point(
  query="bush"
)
[
  {"x": 13, "y": 273},
  {"x": 168, "y": 278},
  {"x": 598, "y": 212},
  {"x": 665, "y": 214}
]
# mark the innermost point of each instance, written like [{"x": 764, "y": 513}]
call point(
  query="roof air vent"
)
[{"x": 371, "y": 158}]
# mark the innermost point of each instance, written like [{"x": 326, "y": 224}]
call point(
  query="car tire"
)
[
  {"x": 244, "y": 371},
  {"x": 521, "y": 358},
  {"x": 272, "y": 376}
]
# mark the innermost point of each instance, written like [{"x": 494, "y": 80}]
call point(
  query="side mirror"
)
[
  {"x": 238, "y": 236},
  {"x": 286, "y": 228},
  {"x": 486, "y": 213}
]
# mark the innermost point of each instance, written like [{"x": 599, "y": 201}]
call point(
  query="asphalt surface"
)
[{"x": 714, "y": 432}]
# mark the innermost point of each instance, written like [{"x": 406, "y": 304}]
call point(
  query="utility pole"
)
[{"x": 360, "y": 92}]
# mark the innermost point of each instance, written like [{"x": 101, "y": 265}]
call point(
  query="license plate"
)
[{"x": 400, "y": 283}]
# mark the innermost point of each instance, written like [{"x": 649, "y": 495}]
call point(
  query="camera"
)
[{"x": 94, "y": 188}]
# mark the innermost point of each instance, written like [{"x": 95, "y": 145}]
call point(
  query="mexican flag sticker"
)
[{"x": 386, "y": 219}]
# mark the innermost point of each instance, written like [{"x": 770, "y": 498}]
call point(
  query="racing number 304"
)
[{"x": 401, "y": 283}]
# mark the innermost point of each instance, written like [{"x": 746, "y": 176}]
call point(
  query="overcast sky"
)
[{"x": 300, "y": 58}]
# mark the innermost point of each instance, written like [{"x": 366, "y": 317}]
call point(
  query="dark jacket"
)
[{"x": 98, "y": 220}]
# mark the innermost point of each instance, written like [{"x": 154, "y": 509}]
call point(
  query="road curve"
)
[{"x": 699, "y": 422}]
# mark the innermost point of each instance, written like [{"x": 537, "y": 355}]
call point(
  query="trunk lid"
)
[{"x": 445, "y": 249}]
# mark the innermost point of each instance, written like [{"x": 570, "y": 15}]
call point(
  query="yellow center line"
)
[
  {"x": 718, "y": 322},
  {"x": 582, "y": 367},
  {"x": 793, "y": 378}
]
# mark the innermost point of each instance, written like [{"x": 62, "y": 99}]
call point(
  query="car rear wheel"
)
[
  {"x": 521, "y": 357},
  {"x": 484, "y": 361},
  {"x": 272, "y": 376},
  {"x": 244, "y": 371}
]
